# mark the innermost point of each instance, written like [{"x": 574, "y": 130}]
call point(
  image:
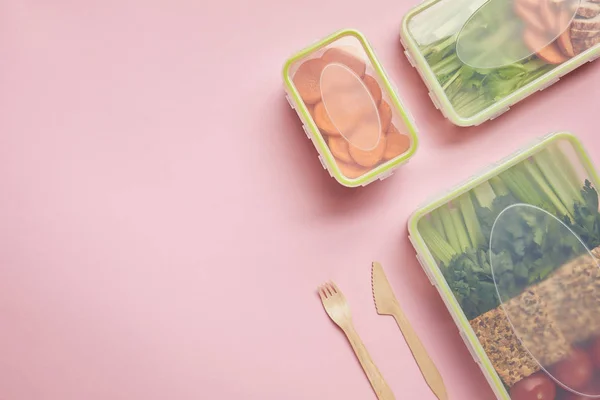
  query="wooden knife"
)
[{"x": 386, "y": 304}]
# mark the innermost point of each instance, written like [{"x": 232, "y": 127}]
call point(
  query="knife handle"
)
[
  {"x": 428, "y": 369},
  {"x": 379, "y": 385}
]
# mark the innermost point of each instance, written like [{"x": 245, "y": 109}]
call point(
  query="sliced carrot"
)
[
  {"x": 548, "y": 52},
  {"x": 368, "y": 158},
  {"x": 308, "y": 80},
  {"x": 397, "y": 143},
  {"x": 385, "y": 116},
  {"x": 565, "y": 44},
  {"x": 311, "y": 111},
  {"x": 323, "y": 121},
  {"x": 564, "y": 41},
  {"x": 374, "y": 88},
  {"x": 351, "y": 171},
  {"x": 529, "y": 16},
  {"x": 340, "y": 149},
  {"x": 337, "y": 55},
  {"x": 344, "y": 123}
]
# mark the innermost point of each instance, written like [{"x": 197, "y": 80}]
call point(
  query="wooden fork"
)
[{"x": 338, "y": 310}]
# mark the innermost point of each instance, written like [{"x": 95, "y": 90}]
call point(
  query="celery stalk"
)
[
  {"x": 557, "y": 180},
  {"x": 538, "y": 177},
  {"x": 485, "y": 195},
  {"x": 517, "y": 181},
  {"x": 459, "y": 228},
  {"x": 563, "y": 164},
  {"x": 471, "y": 221},
  {"x": 449, "y": 228},
  {"x": 499, "y": 186},
  {"x": 436, "y": 220},
  {"x": 441, "y": 250}
]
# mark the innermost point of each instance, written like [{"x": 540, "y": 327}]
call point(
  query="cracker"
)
[
  {"x": 537, "y": 340},
  {"x": 506, "y": 353},
  {"x": 573, "y": 296}
]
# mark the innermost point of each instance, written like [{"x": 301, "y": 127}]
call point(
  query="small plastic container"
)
[
  {"x": 480, "y": 57},
  {"x": 514, "y": 253},
  {"x": 349, "y": 109}
]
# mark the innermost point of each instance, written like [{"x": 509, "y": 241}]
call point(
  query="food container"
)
[
  {"x": 479, "y": 57},
  {"x": 514, "y": 253},
  {"x": 349, "y": 109}
]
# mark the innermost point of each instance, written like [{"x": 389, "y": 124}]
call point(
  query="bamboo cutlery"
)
[{"x": 337, "y": 308}]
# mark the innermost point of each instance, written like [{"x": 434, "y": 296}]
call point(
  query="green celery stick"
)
[
  {"x": 471, "y": 221},
  {"x": 441, "y": 250},
  {"x": 436, "y": 220},
  {"x": 460, "y": 229},
  {"x": 545, "y": 188},
  {"x": 449, "y": 228},
  {"x": 498, "y": 186}
]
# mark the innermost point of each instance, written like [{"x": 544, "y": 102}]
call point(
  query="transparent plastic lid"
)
[
  {"x": 528, "y": 244},
  {"x": 351, "y": 106},
  {"x": 504, "y": 32},
  {"x": 478, "y": 53}
]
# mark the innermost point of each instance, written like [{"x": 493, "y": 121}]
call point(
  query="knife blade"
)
[{"x": 387, "y": 304}]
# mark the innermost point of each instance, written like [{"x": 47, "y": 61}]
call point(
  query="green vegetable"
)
[
  {"x": 527, "y": 245},
  {"x": 485, "y": 195},
  {"x": 471, "y": 222},
  {"x": 565, "y": 189},
  {"x": 459, "y": 229},
  {"x": 561, "y": 161},
  {"x": 449, "y": 228},
  {"x": 436, "y": 220},
  {"x": 545, "y": 188},
  {"x": 586, "y": 217},
  {"x": 498, "y": 186},
  {"x": 519, "y": 184},
  {"x": 472, "y": 90},
  {"x": 440, "y": 249}
]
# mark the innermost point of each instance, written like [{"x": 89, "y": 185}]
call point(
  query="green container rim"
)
[
  {"x": 316, "y": 136},
  {"x": 432, "y": 268}
]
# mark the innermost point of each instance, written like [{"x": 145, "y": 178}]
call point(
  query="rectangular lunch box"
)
[
  {"x": 514, "y": 254},
  {"x": 349, "y": 109},
  {"x": 480, "y": 57}
]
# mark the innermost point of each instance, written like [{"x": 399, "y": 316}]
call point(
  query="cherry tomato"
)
[
  {"x": 536, "y": 387},
  {"x": 573, "y": 396},
  {"x": 590, "y": 390},
  {"x": 576, "y": 371},
  {"x": 596, "y": 353}
]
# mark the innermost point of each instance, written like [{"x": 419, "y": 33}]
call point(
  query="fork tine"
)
[
  {"x": 332, "y": 286},
  {"x": 329, "y": 289},
  {"x": 321, "y": 294},
  {"x": 323, "y": 291}
]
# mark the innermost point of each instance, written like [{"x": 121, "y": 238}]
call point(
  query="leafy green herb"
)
[
  {"x": 527, "y": 246},
  {"x": 471, "y": 90}
]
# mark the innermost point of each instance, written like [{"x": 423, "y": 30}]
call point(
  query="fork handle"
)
[{"x": 381, "y": 388}]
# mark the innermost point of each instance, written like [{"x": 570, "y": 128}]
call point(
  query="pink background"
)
[{"x": 164, "y": 221}]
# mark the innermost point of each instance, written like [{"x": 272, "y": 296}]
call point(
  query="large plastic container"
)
[
  {"x": 514, "y": 254},
  {"x": 349, "y": 109},
  {"x": 480, "y": 57}
]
